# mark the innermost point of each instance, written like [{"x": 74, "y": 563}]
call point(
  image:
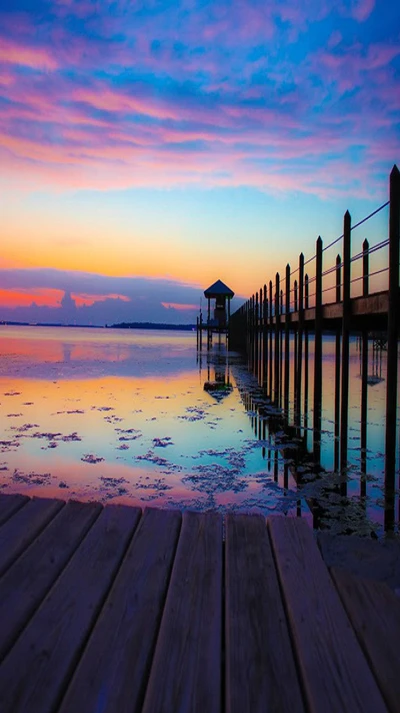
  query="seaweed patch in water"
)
[
  {"x": 193, "y": 414},
  {"x": 112, "y": 487},
  {"x": 90, "y": 458},
  {"x": 31, "y": 478},
  {"x": 162, "y": 442},
  {"x": 76, "y": 411},
  {"x": 8, "y": 445}
]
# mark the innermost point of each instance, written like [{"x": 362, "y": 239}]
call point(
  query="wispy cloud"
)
[{"x": 188, "y": 93}]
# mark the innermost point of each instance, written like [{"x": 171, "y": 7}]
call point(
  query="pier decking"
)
[{"x": 114, "y": 609}]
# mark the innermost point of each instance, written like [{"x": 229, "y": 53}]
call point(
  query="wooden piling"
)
[
  {"x": 365, "y": 280},
  {"x": 318, "y": 354},
  {"x": 277, "y": 336},
  {"x": 392, "y": 347},
  {"x": 345, "y": 349}
]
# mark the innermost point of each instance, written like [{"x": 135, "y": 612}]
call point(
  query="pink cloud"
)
[
  {"x": 14, "y": 52},
  {"x": 361, "y": 9}
]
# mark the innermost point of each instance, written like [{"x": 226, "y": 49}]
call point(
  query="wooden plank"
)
[
  {"x": 9, "y": 504},
  {"x": 260, "y": 668},
  {"x": 186, "y": 671},
  {"x": 128, "y": 624},
  {"x": 335, "y": 673},
  {"x": 34, "y": 675},
  {"x": 18, "y": 532},
  {"x": 374, "y": 611},
  {"x": 27, "y": 581}
]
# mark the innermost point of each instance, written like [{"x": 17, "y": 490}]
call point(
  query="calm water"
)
[{"x": 137, "y": 417}]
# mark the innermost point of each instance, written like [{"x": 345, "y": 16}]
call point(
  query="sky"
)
[{"x": 150, "y": 148}]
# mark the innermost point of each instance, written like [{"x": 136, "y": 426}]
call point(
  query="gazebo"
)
[
  {"x": 222, "y": 295},
  {"x": 218, "y": 322}
]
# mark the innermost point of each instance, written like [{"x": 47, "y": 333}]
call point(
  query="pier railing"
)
[{"x": 351, "y": 291}]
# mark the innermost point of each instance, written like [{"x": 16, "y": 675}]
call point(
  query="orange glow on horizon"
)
[
  {"x": 179, "y": 307},
  {"x": 89, "y": 300},
  {"x": 21, "y": 298}
]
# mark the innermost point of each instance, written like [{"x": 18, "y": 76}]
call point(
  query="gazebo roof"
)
[{"x": 218, "y": 289}]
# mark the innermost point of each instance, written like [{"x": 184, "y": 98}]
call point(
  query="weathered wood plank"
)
[
  {"x": 186, "y": 671},
  {"x": 34, "y": 675},
  {"x": 374, "y": 611},
  {"x": 113, "y": 671},
  {"x": 27, "y": 581},
  {"x": 335, "y": 673},
  {"x": 9, "y": 504},
  {"x": 19, "y": 531},
  {"x": 260, "y": 668}
]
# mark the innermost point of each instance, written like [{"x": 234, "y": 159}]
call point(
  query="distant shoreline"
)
[{"x": 122, "y": 325}]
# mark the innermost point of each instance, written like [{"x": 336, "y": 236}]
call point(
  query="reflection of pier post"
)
[
  {"x": 337, "y": 401},
  {"x": 364, "y": 394},
  {"x": 392, "y": 334},
  {"x": 318, "y": 355},
  {"x": 305, "y": 415}
]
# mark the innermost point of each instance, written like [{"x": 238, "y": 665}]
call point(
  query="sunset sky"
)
[{"x": 149, "y": 148}]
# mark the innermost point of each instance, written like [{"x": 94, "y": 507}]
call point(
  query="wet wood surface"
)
[{"x": 117, "y": 610}]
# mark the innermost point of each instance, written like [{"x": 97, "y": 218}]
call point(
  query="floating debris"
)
[{"x": 90, "y": 458}]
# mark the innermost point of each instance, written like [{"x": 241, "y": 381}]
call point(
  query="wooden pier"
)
[
  {"x": 294, "y": 311},
  {"x": 111, "y": 609}
]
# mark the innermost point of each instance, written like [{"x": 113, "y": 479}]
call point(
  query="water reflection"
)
[
  {"x": 141, "y": 417},
  {"x": 98, "y": 414}
]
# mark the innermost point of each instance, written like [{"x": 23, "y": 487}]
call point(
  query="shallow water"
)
[{"x": 125, "y": 416}]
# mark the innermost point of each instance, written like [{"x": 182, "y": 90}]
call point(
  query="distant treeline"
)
[{"x": 151, "y": 325}]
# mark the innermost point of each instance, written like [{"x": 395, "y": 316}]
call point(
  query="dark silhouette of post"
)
[
  {"x": 344, "y": 411},
  {"x": 392, "y": 337},
  {"x": 277, "y": 329},
  {"x": 298, "y": 365},
  {"x": 306, "y": 292},
  {"x": 287, "y": 335},
  {"x": 337, "y": 402},
  {"x": 364, "y": 397},
  {"x": 365, "y": 268},
  {"x": 270, "y": 338},
  {"x": 338, "y": 277},
  {"x": 265, "y": 338},
  {"x": 318, "y": 354}
]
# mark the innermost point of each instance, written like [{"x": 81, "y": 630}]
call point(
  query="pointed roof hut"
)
[
  {"x": 222, "y": 294},
  {"x": 218, "y": 289}
]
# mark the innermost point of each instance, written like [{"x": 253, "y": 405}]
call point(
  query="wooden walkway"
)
[{"x": 108, "y": 609}]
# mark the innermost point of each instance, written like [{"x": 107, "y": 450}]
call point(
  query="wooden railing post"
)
[
  {"x": 296, "y": 306},
  {"x": 270, "y": 337},
  {"x": 365, "y": 268},
  {"x": 298, "y": 364},
  {"x": 277, "y": 330},
  {"x": 256, "y": 315},
  {"x": 306, "y": 291},
  {"x": 301, "y": 287},
  {"x": 287, "y": 328},
  {"x": 344, "y": 411},
  {"x": 392, "y": 337},
  {"x": 265, "y": 337},
  {"x": 338, "y": 277}
]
